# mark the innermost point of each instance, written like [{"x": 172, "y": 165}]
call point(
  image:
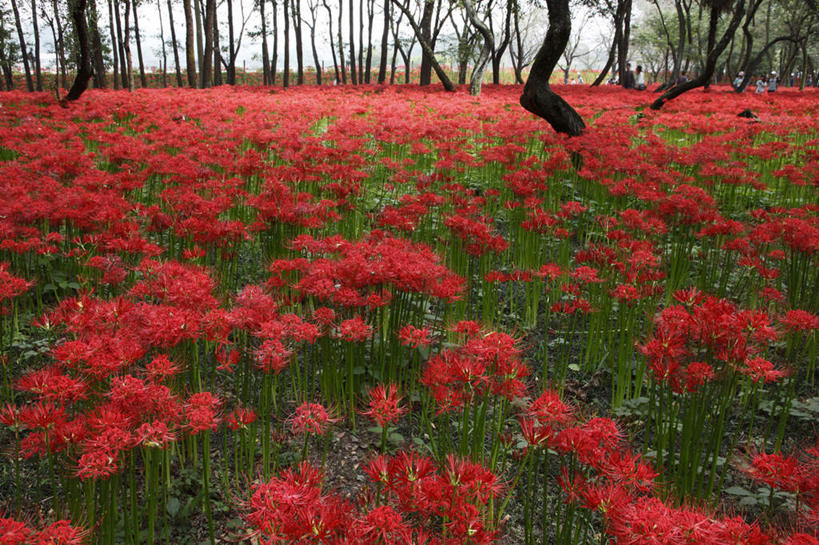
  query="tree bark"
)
[
  {"x": 425, "y": 36},
  {"x": 38, "y": 73},
  {"x": 299, "y": 42},
  {"x": 382, "y": 65},
  {"x": 353, "y": 73},
  {"x": 142, "y": 79},
  {"x": 286, "y": 74},
  {"x": 712, "y": 57},
  {"x": 114, "y": 43},
  {"x": 426, "y": 47},
  {"x": 265, "y": 52},
  {"x": 123, "y": 68},
  {"x": 77, "y": 8},
  {"x": 217, "y": 51},
  {"x": 341, "y": 42},
  {"x": 190, "y": 45},
  {"x": 274, "y": 64},
  {"x": 619, "y": 15},
  {"x": 207, "y": 64},
  {"x": 164, "y": 50},
  {"x": 478, "y": 71},
  {"x": 175, "y": 47},
  {"x": 331, "y": 39},
  {"x": 537, "y": 96},
  {"x": 370, "y": 17},
  {"x": 200, "y": 49},
  {"x": 23, "y": 50},
  {"x": 100, "y": 81},
  {"x": 127, "y": 46}
]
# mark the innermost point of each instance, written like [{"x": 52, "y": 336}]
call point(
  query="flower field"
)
[{"x": 394, "y": 316}]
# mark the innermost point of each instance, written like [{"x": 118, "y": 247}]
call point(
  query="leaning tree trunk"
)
[
  {"x": 486, "y": 51},
  {"x": 143, "y": 81},
  {"x": 619, "y": 14},
  {"x": 330, "y": 40},
  {"x": 175, "y": 47},
  {"x": 537, "y": 96},
  {"x": 96, "y": 45},
  {"x": 77, "y": 9},
  {"x": 23, "y": 51},
  {"x": 711, "y": 58},
  {"x": 426, "y": 47},
  {"x": 37, "y": 68}
]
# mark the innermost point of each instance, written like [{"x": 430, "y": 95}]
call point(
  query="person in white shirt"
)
[
  {"x": 639, "y": 79},
  {"x": 772, "y": 83},
  {"x": 760, "y": 85}
]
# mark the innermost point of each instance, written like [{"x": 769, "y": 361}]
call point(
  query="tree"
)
[
  {"x": 382, "y": 65},
  {"x": 715, "y": 47},
  {"x": 486, "y": 51},
  {"x": 425, "y": 39},
  {"x": 77, "y": 11},
  {"x": 538, "y": 96},
  {"x": 175, "y": 47},
  {"x": 572, "y": 50},
  {"x": 8, "y": 52},
  {"x": 23, "y": 50},
  {"x": 190, "y": 45}
]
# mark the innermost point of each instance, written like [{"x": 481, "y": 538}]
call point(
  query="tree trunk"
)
[
  {"x": 427, "y": 48},
  {"x": 353, "y": 73},
  {"x": 497, "y": 54},
  {"x": 114, "y": 43},
  {"x": 518, "y": 66},
  {"x": 361, "y": 41},
  {"x": 711, "y": 58},
  {"x": 123, "y": 68},
  {"x": 77, "y": 9},
  {"x": 207, "y": 64},
  {"x": 59, "y": 42},
  {"x": 486, "y": 51},
  {"x": 286, "y": 74},
  {"x": 382, "y": 65},
  {"x": 330, "y": 41},
  {"x": 619, "y": 15},
  {"x": 537, "y": 96},
  {"x": 370, "y": 18},
  {"x": 190, "y": 45},
  {"x": 96, "y": 45},
  {"x": 299, "y": 42},
  {"x": 175, "y": 47},
  {"x": 38, "y": 73},
  {"x": 142, "y": 79},
  {"x": 315, "y": 52},
  {"x": 217, "y": 51},
  {"x": 274, "y": 64},
  {"x": 127, "y": 45},
  {"x": 622, "y": 46},
  {"x": 265, "y": 52},
  {"x": 23, "y": 50},
  {"x": 200, "y": 49},
  {"x": 164, "y": 50},
  {"x": 425, "y": 36},
  {"x": 341, "y": 42}
]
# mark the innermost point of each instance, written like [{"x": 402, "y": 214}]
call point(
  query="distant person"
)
[
  {"x": 639, "y": 79},
  {"x": 683, "y": 78},
  {"x": 580, "y": 80},
  {"x": 761, "y": 84},
  {"x": 628, "y": 77},
  {"x": 772, "y": 83},
  {"x": 739, "y": 79}
]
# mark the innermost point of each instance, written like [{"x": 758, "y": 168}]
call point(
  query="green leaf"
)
[
  {"x": 172, "y": 506},
  {"x": 396, "y": 438},
  {"x": 738, "y": 491}
]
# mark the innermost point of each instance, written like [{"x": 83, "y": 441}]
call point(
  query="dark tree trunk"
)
[
  {"x": 190, "y": 45},
  {"x": 123, "y": 68},
  {"x": 341, "y": 42},
  {"x": 274, "y": 63},
  {"x": 497, "y": 54},
  {"x": 619, "y": 15},
  {"x": 425, "y": 36},
  {"x": 353, "y": 73},
  {"x": 537, "y": 96},
  {"x": 96, "y": 45},
  {"x": 751, "y": 64},
  {"x": 38, "y": 73},
  {"x": 370, "y": 18},
  {"x": 142, "y": 79},
  {"x": 77, "y": 9},
  {"x": 361, "y": 41},
  {"x": 712, "y": 57},
  {"x": 426, "y": 47},
  {"x": 265, "y": 52},
  {"x": 232, "y": 47},
  {"x": 286, "y": 74},
  {"x": 330, "y": 41},
  {"x": 217, "y": 52},
  {"x": 315, "y": 52},
  {"x": 114, "y": 42},
  {"x": 299, "y": 42},
  {"x": 127, "y": 45},
  {"x": 59, "y": 42},
  {"x": 622, "y": 46},
  {"x": 518, "y": 65},
  {"x": 382, "y": 65},
  {"x": 200, "y": 50},
  {"x": 23, "y": 50},
  {"x": 207, "y": 64},
  {"x": 175, "y": 47}
]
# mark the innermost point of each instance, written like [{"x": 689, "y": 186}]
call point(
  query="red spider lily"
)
[
  {"x": 155, "y": 434},
  {"x": 414, "y": 337},
  {"x": 384, "y": 405},
  {"x": 241, "y": 418},
  {"x": 354, "y": 330},
  {"x": 201, "y": 412},
  {"x": 311, "y": 418}
]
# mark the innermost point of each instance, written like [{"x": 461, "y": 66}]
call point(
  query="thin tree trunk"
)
[
  {"x": 274, "y": 63},
  {"x": 123, "y": 68},
  {"x": 382, "y": 65},
  {"x": 537, "y": 96},
  {"x": 231, "y": 67},
  {"x": 23, "y": 50},
  {"x": 370, "y": 16},
  {"x": 127, "y": 45},
  {"x": 265, "y": 52},
  {"x": 299, "y": 42},
  {"x": 114, "y": 43},
  {"x": 100, "y": 81},
  {"x": 175, "y": 47},
  {"x": 315, "y": 52},
  {"x": 38, "y": 73},
  {"x": 353, "y": 73},
  {"x": 164, "y": 50},
  {"x": 341, "y": 42},
  {"x": 142, "y": 79},
  {"x": 425, "y": 77},
  {"x": 286, "y": 69},
  {"x": 622, "y": 47},
  {"x": 190, "y": 44},
  {"x": 59, "y": 42},
  {"x": 200, "y": 48},
  {"x": 217, "y": 51},
  {"x": 331, "y": 39},
  {"x": 619, "y": 14},
  {"x": 427, "y": 48}
]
